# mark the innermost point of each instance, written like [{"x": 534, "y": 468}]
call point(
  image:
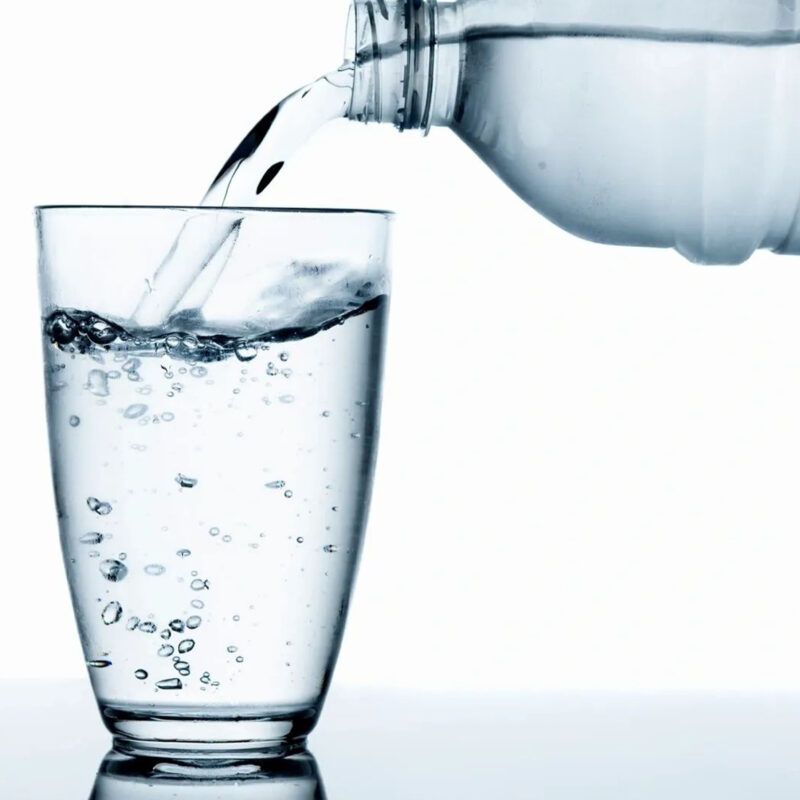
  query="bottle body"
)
[{"x": 685, "y": 135}]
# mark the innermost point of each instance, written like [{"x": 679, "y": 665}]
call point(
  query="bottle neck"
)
[{"x": 404, "y": 73}]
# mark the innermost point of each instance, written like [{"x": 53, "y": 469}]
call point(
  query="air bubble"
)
[
  {"x": 74, "y": 421},
  {"x": 214, "y": 531},
  {"x": 186, "y": 646},
  {"x": 198, "y": 585},
  {"x": 195, "y": 604},
  {"x": 183, "y": 553},
  {"x": 113, "y": 570},
  {"x": 91, "y": 538},
  {"x": 166, "y": 634},
  {"x": 101, "y": 332},
  {"x": 326, "y": 413},
  {"x": 330, "y": 548},
  {"x": 177, "y": 625},
  {"x": 272, "y": 370},
  {"x": 155, "y": 569},
  {"x": 232, "y": 648},
  {"x": 170, "y": 683},
  {"x": 275, "y": 484},
  {"x": 198, "y": 372},
  {"x": 132, "y": 624},
  {"x": 167, "y": 416},
  {"x": 288, "y": 493},
  {"x": 182, "y": 667},
  {"x": 132, "y": 365},
  {"x": 239, "y": 659},
  {"x": 112, "y": 613},
  {"x": 194, "y": 621},
  {"x": 135, "y": 411},
  {"x": 100, "y": 663},
  {"x": 286, "y": 398},
  {"x": 166, "y": 650},
  {"x": 97, "y": 383},
  {"x": 185, "y": 482},
  {"x": 98, "y": 506},
  {"x": 62, "y": 328},
  {"x": 236, "y": 618},
  {"x": 284, "y": 356},
  {"x": 147, "y": 627},
  {"x": 300, "y": 540},
  {"x": 245, "y": 351},
  {"x": 141, "y": 674}
]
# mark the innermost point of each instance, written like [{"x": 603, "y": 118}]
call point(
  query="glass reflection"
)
[{"x": 122, "y": 777}]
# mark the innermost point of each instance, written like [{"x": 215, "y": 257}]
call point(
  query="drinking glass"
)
[{"x": 213, "y": 429}]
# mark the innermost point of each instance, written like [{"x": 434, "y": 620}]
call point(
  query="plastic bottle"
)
[{"x": 635, "y": 122}]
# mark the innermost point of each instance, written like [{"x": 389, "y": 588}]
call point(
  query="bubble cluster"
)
[
  {"x": 98, "y": 506},
  {"x": 155, "y": 380}
]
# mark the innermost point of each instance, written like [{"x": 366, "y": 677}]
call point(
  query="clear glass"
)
[{"x": 212, "y": 472}]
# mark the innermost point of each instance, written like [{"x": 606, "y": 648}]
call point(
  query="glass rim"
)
[{"x": 231, "y": 209}]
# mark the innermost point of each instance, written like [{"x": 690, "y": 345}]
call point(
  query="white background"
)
[{"x": 590, "y": 457}]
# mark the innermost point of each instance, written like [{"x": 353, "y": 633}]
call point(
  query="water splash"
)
[{"x": 204, "y": 246}]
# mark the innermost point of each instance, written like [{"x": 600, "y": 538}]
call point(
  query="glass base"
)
[
  {"x": 200, "y": 735},
  {"x": 295, "y": 776}
]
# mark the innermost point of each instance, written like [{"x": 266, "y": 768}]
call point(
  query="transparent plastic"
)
[{"x": 628, "y": 122}]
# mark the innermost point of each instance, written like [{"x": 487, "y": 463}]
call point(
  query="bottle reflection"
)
[{"x": 122, "y": 777}]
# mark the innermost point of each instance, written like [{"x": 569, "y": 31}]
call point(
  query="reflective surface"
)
[
  {"x": 388, "y": 746},
  {"x": 122, "y": 777}
]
